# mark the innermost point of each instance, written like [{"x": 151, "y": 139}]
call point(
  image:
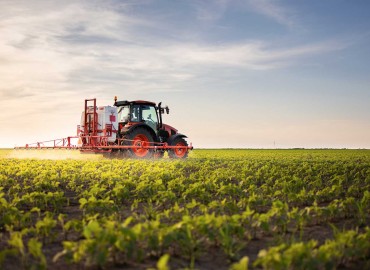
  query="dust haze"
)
[{"x": 52, "y": 154}]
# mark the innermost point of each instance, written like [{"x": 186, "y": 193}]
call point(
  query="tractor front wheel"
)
[
  {"x": 139, "y": 138},
  {"x": 178, "y": 152}
]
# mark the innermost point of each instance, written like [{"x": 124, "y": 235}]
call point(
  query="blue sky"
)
[{"x": 234, "y": 73}]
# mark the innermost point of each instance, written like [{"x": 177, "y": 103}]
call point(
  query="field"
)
[{"x": 219, "y": 209}]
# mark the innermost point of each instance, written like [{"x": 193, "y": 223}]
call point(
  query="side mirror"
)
[{"x": 162, "y": 110}]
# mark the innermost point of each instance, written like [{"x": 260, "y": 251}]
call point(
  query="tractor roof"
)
[{"x": 126, "y": 102}]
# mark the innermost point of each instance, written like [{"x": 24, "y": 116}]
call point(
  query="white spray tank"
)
[{"x": 107, "y": 121}]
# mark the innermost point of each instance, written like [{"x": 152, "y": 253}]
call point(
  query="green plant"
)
[{"x": 241, "y": 265}]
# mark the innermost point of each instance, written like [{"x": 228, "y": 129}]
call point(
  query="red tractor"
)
[{"x": 141, "y": 130}]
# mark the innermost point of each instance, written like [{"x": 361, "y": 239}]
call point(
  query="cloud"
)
[
  {"x": 95, "y": 47},
  {"x": 210, "y": 10},
  {"x": 274, "y": 10}
]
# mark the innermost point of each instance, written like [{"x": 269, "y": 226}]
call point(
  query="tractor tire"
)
[
  {"x": 139, "y": 137},
  {"x": 178, "y": 153}
]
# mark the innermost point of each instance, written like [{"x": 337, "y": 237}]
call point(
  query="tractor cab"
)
[
  {"x": 132, "y": 113},
  {"x": 135, "y": 112}
]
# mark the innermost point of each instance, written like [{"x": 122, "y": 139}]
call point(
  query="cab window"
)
[
  {"x": 135, "y": 113},
  {"x": 149, "y": 115},
  {"x": 123, "y": 114}
]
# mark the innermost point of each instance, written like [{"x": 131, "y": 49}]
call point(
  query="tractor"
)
[
  {"x": 126, "y": 129},
  {"x": 140, "y": 127}
]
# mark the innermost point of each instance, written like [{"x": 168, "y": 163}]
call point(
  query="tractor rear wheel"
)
[
  {"x": 138, "y": 139},
  {"x": 178, "y": 152}
]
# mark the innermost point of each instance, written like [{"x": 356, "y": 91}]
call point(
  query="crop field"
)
[{"x": 219, "y": 209}]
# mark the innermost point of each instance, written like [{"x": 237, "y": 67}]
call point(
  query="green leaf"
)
[
  {"x": 35, "y": 248},
  {"x": 162, "y": 263},
  {"x": 241, "y": 265}
]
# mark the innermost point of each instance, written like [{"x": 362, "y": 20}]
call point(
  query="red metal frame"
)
[{"x": 91, "y": 125}]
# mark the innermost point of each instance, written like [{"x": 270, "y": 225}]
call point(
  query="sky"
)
[{"x": 235, "y": 73}]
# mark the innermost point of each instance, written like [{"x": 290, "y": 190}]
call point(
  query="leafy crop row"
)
[{"x": 131, "y": 212}]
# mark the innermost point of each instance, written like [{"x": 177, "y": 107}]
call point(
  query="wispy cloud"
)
[
  {"x": 210, "y": 10},
  {"x": 275, "y": 10}
]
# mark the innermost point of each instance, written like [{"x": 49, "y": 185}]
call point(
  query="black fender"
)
[
  {"x": 172, "y": 138},
  {"x": 142, "y": 125}
]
